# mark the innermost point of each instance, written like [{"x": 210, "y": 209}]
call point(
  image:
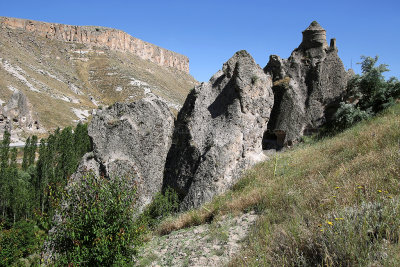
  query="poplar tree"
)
[
  {"x": 26, "y": 153},
  {"x": 32, "y": 150}
]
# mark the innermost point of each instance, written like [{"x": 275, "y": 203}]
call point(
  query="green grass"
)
[{"x": 334, "y": 202}]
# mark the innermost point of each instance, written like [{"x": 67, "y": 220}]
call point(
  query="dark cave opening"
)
[{"x": 273, "y": 140}]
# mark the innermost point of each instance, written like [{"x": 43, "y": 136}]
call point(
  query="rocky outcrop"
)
[
  {"x": 17, "y": 113},
  {"x": 219, "y": 130},
  {"x": 307, "y": 87},
  {"x": 131, "y": 140},
  {"x": 100, "y": 36}
]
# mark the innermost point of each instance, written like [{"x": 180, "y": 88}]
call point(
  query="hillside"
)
[
  {"x": 332, "y": 202},
  {"x": 65, "y": 77}
]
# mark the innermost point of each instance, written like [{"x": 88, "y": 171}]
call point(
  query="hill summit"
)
[{"x": 65, "y": 71}]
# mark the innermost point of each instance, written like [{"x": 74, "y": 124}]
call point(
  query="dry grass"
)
[
  {"x": 97, "y": 75},
  {"x": 282, "y": 82},
  {"x": 320, "y": 186}
]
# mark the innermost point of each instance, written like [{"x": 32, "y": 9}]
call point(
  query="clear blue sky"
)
[{"x": 210, "y": 32}]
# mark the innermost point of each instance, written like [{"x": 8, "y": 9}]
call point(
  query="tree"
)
[
  {"x": 96, "y": 226},
  {"x": 32, "y": 150},
  {"x": 43, "y": 170},
  {"x": 4, "y": 176},
  {"x": 26, "y": 153},
  {"x": 82, "y": 140},
  {"x": 367, "y": 94},
  {"x": 5, "y": 149}
]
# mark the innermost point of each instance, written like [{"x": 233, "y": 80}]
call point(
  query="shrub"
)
[
  {"x": 163, "y": 205},
  {"x": 96, "y": 227},
  {"x": 367, "y": 94},
  {"x": 349, "y": 114},
  {"x": 22, "y": 240}
]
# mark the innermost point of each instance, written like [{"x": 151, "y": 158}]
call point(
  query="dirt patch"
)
[{"x": 211, "y": 244}]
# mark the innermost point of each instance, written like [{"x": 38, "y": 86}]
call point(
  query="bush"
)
[
  {"x": 22, "y": 240},
  {"x": 367, "y": 94},
  {"x": 348, "y": 115},
  {"x": 96, "y": 227},
  {"x": 163, "y": 205}
]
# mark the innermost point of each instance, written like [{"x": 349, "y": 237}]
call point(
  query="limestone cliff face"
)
[{"x": 100, "y": 36}]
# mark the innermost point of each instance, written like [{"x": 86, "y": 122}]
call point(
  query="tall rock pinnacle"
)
[{"x": 307, "y": 88}]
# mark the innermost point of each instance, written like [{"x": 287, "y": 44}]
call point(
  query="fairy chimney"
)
[{"x": 314, "y": 36}]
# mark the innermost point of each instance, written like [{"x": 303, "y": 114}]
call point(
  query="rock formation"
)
[
  {"x": 224, "y": 123},
  {"x": 131, "y": 140},
  {"x": 218, "y": 132},
  {"x": 307, "y": 86},
  {"x": 100, "y": 36},
  {"x": 17, "y": 113}
]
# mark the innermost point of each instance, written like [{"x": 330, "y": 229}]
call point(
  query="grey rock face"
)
[
  {"x": 17, "y": 113},
  {"x": 307, "y": 86},
  {"x": 131, "y": 140},
  {"x": 218, "y": 132}
]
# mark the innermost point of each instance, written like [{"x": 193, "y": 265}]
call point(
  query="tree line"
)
[{"x": 28, "y": 190}]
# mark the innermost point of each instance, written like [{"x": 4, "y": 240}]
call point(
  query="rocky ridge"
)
[
  {"x": 113, "y": 39},
  {"x": 66, "y": 81}
]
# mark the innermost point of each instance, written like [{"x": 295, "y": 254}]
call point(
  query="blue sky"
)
[{"x": 210, "y": 32}]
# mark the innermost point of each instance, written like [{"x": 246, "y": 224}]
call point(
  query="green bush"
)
[
  {"x": 22, "y": 240},
  {"x": 163, "y": 205},
  {"x": 96, "y": 227},
  {"x": 349, "y": 114},
  {"x": 367, "y": 94}
]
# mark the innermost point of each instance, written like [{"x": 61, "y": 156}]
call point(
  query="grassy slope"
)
[
  {"x": 98, "y": 73},
  {"x": 334, "y": 202}
]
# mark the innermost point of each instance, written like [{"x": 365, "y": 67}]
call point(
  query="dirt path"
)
[{"x": 205, "y": 245}]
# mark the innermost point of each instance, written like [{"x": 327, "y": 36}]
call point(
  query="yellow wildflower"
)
[
  {"x": 379, "y": 191},
  {"x": 329, "y": 222}
]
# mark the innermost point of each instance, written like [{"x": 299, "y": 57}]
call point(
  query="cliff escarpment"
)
[
  {"x": 113, "y": 39},
  {"x": 67, "y": 72}
]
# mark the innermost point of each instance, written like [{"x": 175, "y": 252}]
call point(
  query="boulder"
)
[
  {"x": 218, "y": 132},
  {"x": 131, "y": 140},
  {"x": 307, "y": 88}
]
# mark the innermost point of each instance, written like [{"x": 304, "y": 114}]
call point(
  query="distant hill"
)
[{"x": 67, "y": 71}]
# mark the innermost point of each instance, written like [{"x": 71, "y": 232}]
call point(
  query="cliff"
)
[{"x": 113, "y": 39}]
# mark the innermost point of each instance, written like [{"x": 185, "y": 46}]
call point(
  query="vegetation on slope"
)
[
  {"x": 332, "y": 202},
  {"x": 30, "y": 193}
]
